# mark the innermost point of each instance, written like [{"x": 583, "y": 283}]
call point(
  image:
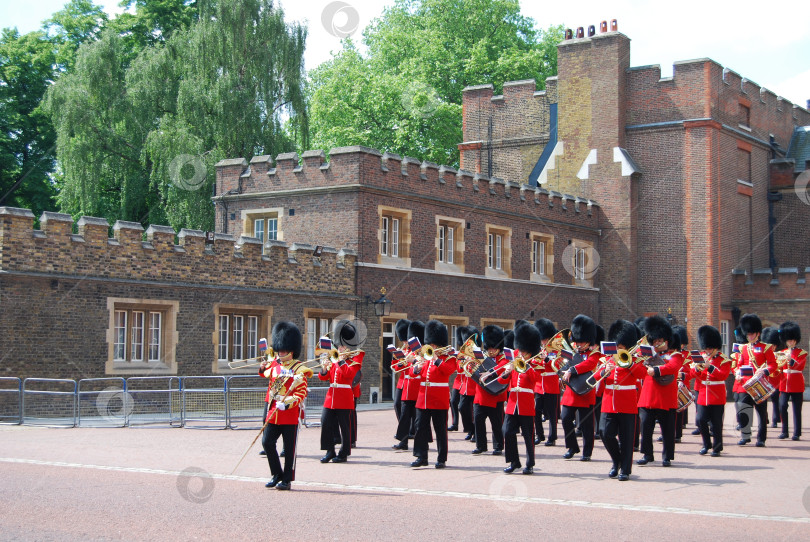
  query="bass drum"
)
[{"x": 492, "y": 386}]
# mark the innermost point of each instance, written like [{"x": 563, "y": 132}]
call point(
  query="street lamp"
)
[{"x": 382, "y": 306}]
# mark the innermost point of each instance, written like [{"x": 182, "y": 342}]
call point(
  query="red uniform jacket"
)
[
  {"x": 340, "y": 377},
  {"x": 621, "y": 389},
  {"x": 434, "y": 384},
  {"x": 458, "y": 380},
  {"x": 483, "y": 397},
  {"x": 521, "y": 392},
  {"x": 754, "y": 355},
  {"x": 550, "y": 380},
  {"x": 468, "y": 386},
  {"x": 793, "y": 381},
  {"x": 712, "y": 384},
  {"x": 653, "y": 394},
  {"x": 570, "y": 398},
  {"x": 401, "y": 374},
  {"x": 411, "y": 390},
  {"x": 293, "y": 400}
]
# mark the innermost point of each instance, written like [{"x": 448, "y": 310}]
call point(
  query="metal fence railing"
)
[
  {"x": 10, "y": 400},
  {"x": 103, "y": 402},
  {"x": 313, "y": 406},
  {"x": 49, "y": 401},
  {"x": 205, "y": 401},
  {"x": 246, "y": 394},
  {"x": 155, "y": 400}
]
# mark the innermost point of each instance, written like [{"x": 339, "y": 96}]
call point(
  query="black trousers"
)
[
  {"x": 568, "y": 416},
  {"x": 354, "y": 424},
  {"x": 776, "y": 418},
  {"x": 495, "y": 416},
  {"x": 665, "y": 417},
  {"x": 797, "y": 399},
  {"x": 406, "y": 419},
  {"x": 289, "y": 437},
  {"x": 617, "y": 435},
  {"x": 420, "y": 442},
  {"x": 340, "y": 418},
  {"x": 455, "y": 398},
  {"x": 597, "y": 415},
  {"x": 511, "y": 425},
  {"x": 744, "y": 404},
  {"x": 397, "y": 402},
  {"x": 465, "y": 410},
  {"x": 711, "y": 414}
]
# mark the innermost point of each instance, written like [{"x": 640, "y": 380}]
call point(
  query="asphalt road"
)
[{"x": 176, "y": 484}]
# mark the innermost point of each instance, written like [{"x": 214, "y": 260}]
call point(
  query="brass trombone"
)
[
  {"x": 258, "y": 360},
  {"x": 518, "y": 364}
]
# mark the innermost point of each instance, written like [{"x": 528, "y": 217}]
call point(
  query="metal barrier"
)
[
  {"x": 246, "y": 394},
  {"x": 155, "y": 400},
  {"x": 313, "y": 406},
  {"x": 103, "y": 402},
  {"x": 10, "y": 400},
  {"x": 54, "y": 406},
  {"x": 205, "y": 399}
]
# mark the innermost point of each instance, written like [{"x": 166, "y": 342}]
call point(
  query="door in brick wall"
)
[{"x": 388, "y": 382}]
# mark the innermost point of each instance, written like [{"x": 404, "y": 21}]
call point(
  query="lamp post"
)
[{"x": 382, "y": 306}]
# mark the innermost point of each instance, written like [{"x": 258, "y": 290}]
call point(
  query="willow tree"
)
[{"x": 138, "y": 141}]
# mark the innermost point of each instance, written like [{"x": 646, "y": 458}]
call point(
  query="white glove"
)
[{"x": 281, "y": 406}]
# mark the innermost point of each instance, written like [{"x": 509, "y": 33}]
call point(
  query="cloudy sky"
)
[{"x": 768, "y": 43}]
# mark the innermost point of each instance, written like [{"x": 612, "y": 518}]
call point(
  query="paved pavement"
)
[{"x": 177, "y": 484}]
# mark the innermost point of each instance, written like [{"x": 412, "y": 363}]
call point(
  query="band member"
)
[
  {"x": 468, "y": 386},
  {"x": 358, "y": 378},
  {"x": 339, "y": 403},
  {"x": 792, "y": 385},
  {"x": 547, "y": 389},
  {"x": 486, "y": 405},
  {"x": 583, "y": 340},
  {"x": 770, "y": 335},
  {"x": 520, "y": 406},
  {"x": 756, "y": 360},
  {"x": 711, "y": 402},
  {"x": 682, "y": 418},
  {"x": 401, "y": 329},
  {"x": 600, "y": 389},
  {"x": 659, "y": 393},
  {"x": 410, "y": 391},
  {"x": 288, "y": 386},
  {"x": 434, "y": 394},
  {"x": 620, "y": 402}
]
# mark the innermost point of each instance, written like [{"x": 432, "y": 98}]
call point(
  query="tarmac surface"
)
[{"x": 161, "y": 483}]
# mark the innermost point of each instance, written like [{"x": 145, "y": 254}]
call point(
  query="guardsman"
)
[
  {"x": 711, "y": 401},
  {"x": 793, "y": 360},
  {"x": 770, "y": 335},
  {"x": 467, "y": 386},
  {"x": 757, "y": 360},
  {"x": 410, "y": 390},
  {"x": 547, "y": 390},
  {"x": 488, "y": 406},
  {"x": 401, "y": 330},
  {"x": 583, "y": 340},
  {"x": 682, "y": 418}
]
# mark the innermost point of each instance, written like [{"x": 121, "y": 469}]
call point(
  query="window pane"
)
[
  {"x": 137, "y": 336},
  {"x": 498, "y": 250},
  {"x": 272, "y": 229},
  {"x": 238, "y": 336},
  {"x": 441, "y": 243},
  {"x": 490, "y": 250},
  {"x": 395, "y": 238},
  {"x": 154, "y": 335},
  {"x": 120, "y": 346},
  {"x": 252, "y": 338},
  {"x": 383, "y": 238},
  {"x": 258, "y": 229},
  {"x": 312, "y": 337},
  {"x": 224, "y": 334},
  {"x": 450, "y": 248},
  {"x": 541, "y": 258},
  {"x": 534, "y": 256}
]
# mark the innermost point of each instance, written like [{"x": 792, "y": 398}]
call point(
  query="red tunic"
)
[
  {"x": 340, "y": 377},
  {"x": 712, "y": 384},
  {"x": 483, "y": 397},
  {"x": 793, "y": 381},
  {"x": 293, "y": 400},
  {"x": 468, "y": 386},
  {"x": 521, "y": 392},
  {"x": 754, "y": 355},
  {"x": 621, "y": 389},
  {"x": 434, "y": 384},
  {"x": 653, "y": 394},
  {"x": 570, "y": 398},
  {"x": 401, "y": 374},
  {"x": 550, "y": 379}
]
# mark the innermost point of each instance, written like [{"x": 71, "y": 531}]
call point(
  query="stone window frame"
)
[
  {"x": 403, "y": 216},
  {"x": 505, "y": 270},
  {"x": 744, "y": 113},
  {"x": 263, "y": 331},
  {"x": 457, "y": 226},
  {"x": 548, "y": 257},
  {"x": 250, "y": 216},
  {"x": 167, "y": 361},
  {"x": 505, "y": 323},
  {"x": 583, "y": 275}
]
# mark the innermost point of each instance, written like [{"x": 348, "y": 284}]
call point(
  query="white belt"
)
[
  {"x": 527, "y": 390},
  {"x": 615, "y": 387},
  {"x": 435, "y": 384},
  {"x": 278, "y": 398},
  {"x": 408, "y": 377},
  {"x": 548, "y": 374},
  {"x": 712, "y": 382},
  {"x": 333, "y": 385},
  {"x": 791, "y": 371}
]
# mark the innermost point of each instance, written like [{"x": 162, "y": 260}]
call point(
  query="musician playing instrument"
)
[
  {"x": 620, "y": 402},
  {"x": 401, "y": 329},
  {"x": 756, "y": 359},
  {"x": 659, "y": 393},
  {"x": 487, "y": 406},
  {"x": 793, "y": 360},
  {"x": 434, "y": 394},
  {"x": 682, "y": 417},
  {"x": 339, "y": 402},
  {"x": 410, "y": 390},
  {"x": 770, "y": 335},
  {"x": 711, "y": 401},
  {"x": 583, "y": 340},
  {"x": 520, "y": 405},
  {"x": 288, "y": 385},
  {"x": 547, "y": 389},
  {"x": 467, "y": 385}
]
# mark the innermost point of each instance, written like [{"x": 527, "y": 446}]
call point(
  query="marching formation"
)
[{"x": 615, "y": 386}]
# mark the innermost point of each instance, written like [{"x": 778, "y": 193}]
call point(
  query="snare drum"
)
[
  {"x": 685, "y": 397},
  {"x": 758, "y": 388}
]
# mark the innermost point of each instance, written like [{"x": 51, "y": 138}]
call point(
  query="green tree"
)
[
  {"x": 26, "y": 134},
  {"x": 405, "y": 94},
  {"x": 80, "y": 21}
]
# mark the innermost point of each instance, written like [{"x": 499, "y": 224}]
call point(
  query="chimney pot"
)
[
  {"x": 591, "y": 31},
  {"x": 603, "y": 26},
  {"x": 569, "y": 34},
  {"x": 580, "y": 32},
  {"x": 614, "y": 25}
]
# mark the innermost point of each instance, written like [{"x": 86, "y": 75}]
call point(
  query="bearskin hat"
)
[
  {"x": 527, "y": 339},
  {"x": 600, "y": 334},
  {"x": 770, "y": 335},
  {"x": 709, "y": 338},
  {"x": 675, "y": 343},
  {"x": 624, "y": 333},
  {"x": 546, "y": 328},
  {"x": 492, "y": 337},
  {"x": 750, "y": 323},
  {"x": 680, "y": 331},
  {"x": 436, "y": 333},
  {"x": 402, "y": 329},
  {"x": 519, "y": 323},
  {"x": 463, "y": 333},
  {"x": 417, "y": 329},
  {"x": 583, "y": 330},
  {"x": 344, "y": 333},
  {"x": 287, "y": 338},
  {"x": 657, "y": 328},
  {"x": 509, "y": 339},
  {"x": 790, "y": 331},
  {"x": 739, "y": 336}
]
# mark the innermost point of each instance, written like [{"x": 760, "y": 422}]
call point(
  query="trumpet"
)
[
  {"x": 518, "y": 364},
  {"x": 401, "y": 365},
  {"x": 428, "y": 353},
  {"x": 622, "y": 359},
  {"x": 783, "y": 358},
  {"x": 258, "y": 360}
]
